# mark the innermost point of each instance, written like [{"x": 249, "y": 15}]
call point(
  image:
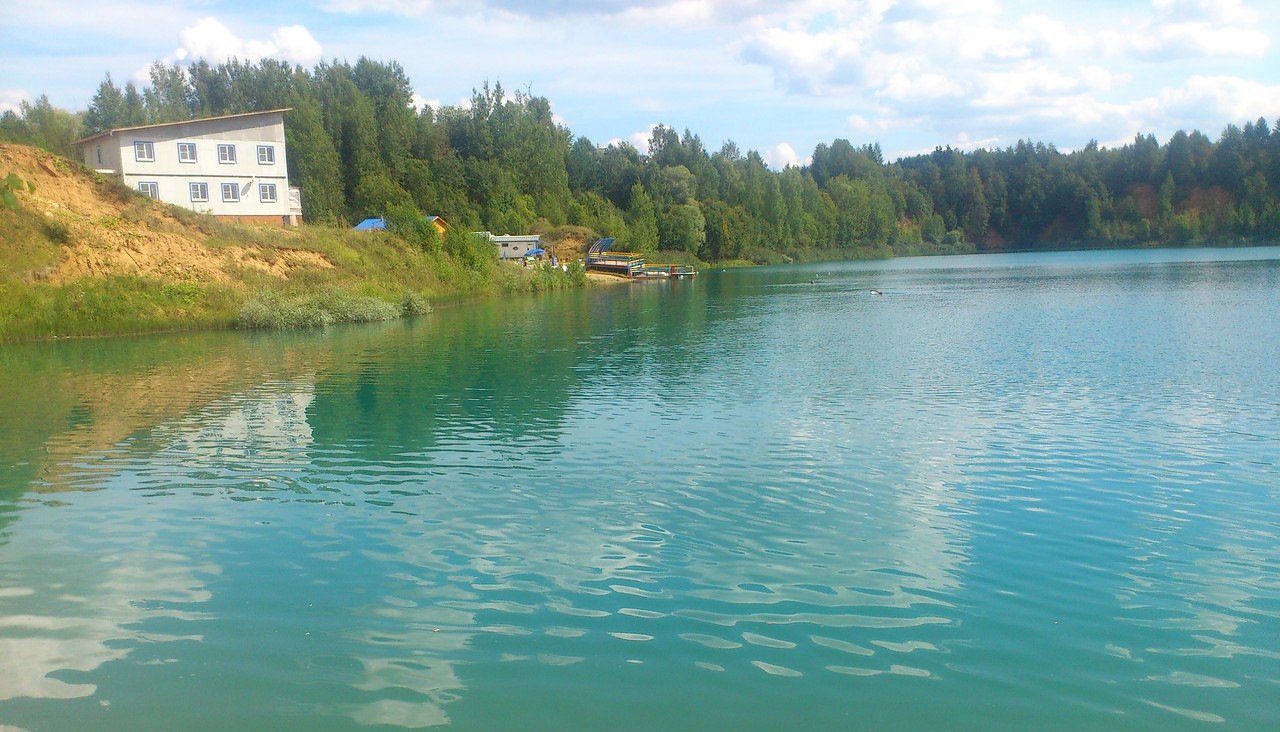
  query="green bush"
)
[
  {"x": 413, "y": 227},
  {"x": 56, "y": 231},
  {"x": 414, "y": 304},
  {"x": 328, "y": 306}
]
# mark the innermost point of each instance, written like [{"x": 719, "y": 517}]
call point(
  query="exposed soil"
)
[{"x": 112, "y": 233}]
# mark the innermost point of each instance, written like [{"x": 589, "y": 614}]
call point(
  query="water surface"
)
[{"x": 1008, "y": 492}]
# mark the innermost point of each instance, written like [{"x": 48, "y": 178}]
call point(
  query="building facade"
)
[
  {"x": 515, "y": 246},
  {"x": 233, "y": 167}
]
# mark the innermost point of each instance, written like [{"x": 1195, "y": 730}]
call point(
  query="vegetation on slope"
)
[{"x": 83, "y": 255}]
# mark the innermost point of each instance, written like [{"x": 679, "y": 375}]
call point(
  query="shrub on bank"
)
[{"x": 327, "y": 306}]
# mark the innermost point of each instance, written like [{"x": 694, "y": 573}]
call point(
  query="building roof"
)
[
  {"x": 381, "y": 223},
  {"x": 157, "y": 125}
]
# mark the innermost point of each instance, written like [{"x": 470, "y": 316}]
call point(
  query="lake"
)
[{"x": 1008, "y": 492}]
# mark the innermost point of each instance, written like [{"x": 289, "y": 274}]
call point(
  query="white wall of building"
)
[
  {"x": 221, "y": 152},
  {"x": 514, "y": 246}
]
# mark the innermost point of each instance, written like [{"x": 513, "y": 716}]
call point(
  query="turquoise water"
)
[{"x": 1010, "y": 492}]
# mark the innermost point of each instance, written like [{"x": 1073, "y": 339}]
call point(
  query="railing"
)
[
  {"x": 629, "y": 264},
  {"x": 669, "y": 270}
]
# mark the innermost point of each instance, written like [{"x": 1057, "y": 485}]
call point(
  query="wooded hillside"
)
[{"x": 358, "y": 147}]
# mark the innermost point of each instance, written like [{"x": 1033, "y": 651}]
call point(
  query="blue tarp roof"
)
[{"x": 379, "y": 223}]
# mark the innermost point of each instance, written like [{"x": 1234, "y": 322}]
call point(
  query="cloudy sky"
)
[{"x": 777, "y": 77}]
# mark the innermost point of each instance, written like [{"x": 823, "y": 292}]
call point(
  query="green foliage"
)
[
  {"x": 9, "y": 188},
  {"x": 113, "y": 107},
  {"x": 57, "y": 231},
  {"x": 377, "y": 193},
  {"x": 40, "y": 124},
  {"x": 413, "y": 227},
  {"x": 543, "y": 277},
  {"x": 313, "y": 159},
  {"x": 114, "y": 305},
  {"x": 471, "y": 250},
  {"x": 414, "y": 304},
  {"x": 328, "y": 306},
  {"x": 683, "y": 228},
  {"x": 642, "y": 222}
]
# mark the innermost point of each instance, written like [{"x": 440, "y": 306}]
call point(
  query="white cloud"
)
[
  {"x": 394, "y": 7},
  {"x": 296, "y": 45},
  {"x": 11, "y": 99},
  {"x": 917, "y": 51},
  {"x": 903, "y": 88},
  {"x": 1220, "y": 11},
  {"x": 1216, "y": 98},
  {"x": 211, "y": 40},
  {"x": 1099, "y": 79},
  {"x": 1203, "y": 40},
  {"x": 806, "y": 63},
  {"x": 870, "y": 127},
  {"x": 1023, "y": 86},
  {"x": 420, "y": 102},
  {"x": 783, "y": 155},
  {"x": 640, "y": 140}
]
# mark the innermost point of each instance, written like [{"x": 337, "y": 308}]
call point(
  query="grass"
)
[
  {"x": 374, "y": 276},
  {"x": 30, "y": 242},
  {"x": 113, "y": 305}
]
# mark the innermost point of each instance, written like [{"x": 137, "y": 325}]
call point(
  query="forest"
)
[{"x": 358, "y": 147}]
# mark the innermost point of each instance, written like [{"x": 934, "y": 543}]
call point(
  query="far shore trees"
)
[{"x": 358, "y": 146}]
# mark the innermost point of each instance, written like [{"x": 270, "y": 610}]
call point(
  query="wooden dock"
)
[
  {"x": 668, "y": 270},
  {"x": 631, "y": 264}
]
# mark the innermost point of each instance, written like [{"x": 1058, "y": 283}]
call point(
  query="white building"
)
[
  {"x": 515, "y": 246},
  {"x": 233, "y": 167}
]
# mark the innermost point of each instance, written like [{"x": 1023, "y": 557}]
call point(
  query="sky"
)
[{"x": 775, "y": 77}]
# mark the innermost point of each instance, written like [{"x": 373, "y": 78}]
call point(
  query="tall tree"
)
[{"x": 107, "y": 110}]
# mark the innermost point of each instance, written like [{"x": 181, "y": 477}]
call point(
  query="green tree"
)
[
  {"x": 683, "y": 228},
  {"x": 377, "y": 193},
  {"x": 107, "y": 110},
  {"x": 642, "y": 221},
  {"x": 313, "y": 160},
  {"x": 43, "y": 125},
  {"x": 169, "y": 98}
]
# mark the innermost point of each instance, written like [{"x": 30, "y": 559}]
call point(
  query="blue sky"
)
[{"x": 777, "y": 77}]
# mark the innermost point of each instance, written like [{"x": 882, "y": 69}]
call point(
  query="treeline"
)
[{"x": 358, "y": 147}]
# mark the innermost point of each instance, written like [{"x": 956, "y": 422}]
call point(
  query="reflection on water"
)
[
  {"x": 48, "y": 632},
  {"x": 1008, "y": 492}
]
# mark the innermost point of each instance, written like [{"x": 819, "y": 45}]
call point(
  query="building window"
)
[
  {"x": 266, "y": 155},
  {"x": 226, "y": 153},
  {"x": 144, "y": 152},
  {"x": 230, "y": 193},
  {"x": 199, "y": 192},
  {"x": 99, "y": 149},
  {"x": 267, "y": 192},
  {"x": 149, "y": 189},
  {"x": 186, "y": 152}
]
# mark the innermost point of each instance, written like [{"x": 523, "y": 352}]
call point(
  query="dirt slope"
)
[{"x": 109, "y": 232}]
